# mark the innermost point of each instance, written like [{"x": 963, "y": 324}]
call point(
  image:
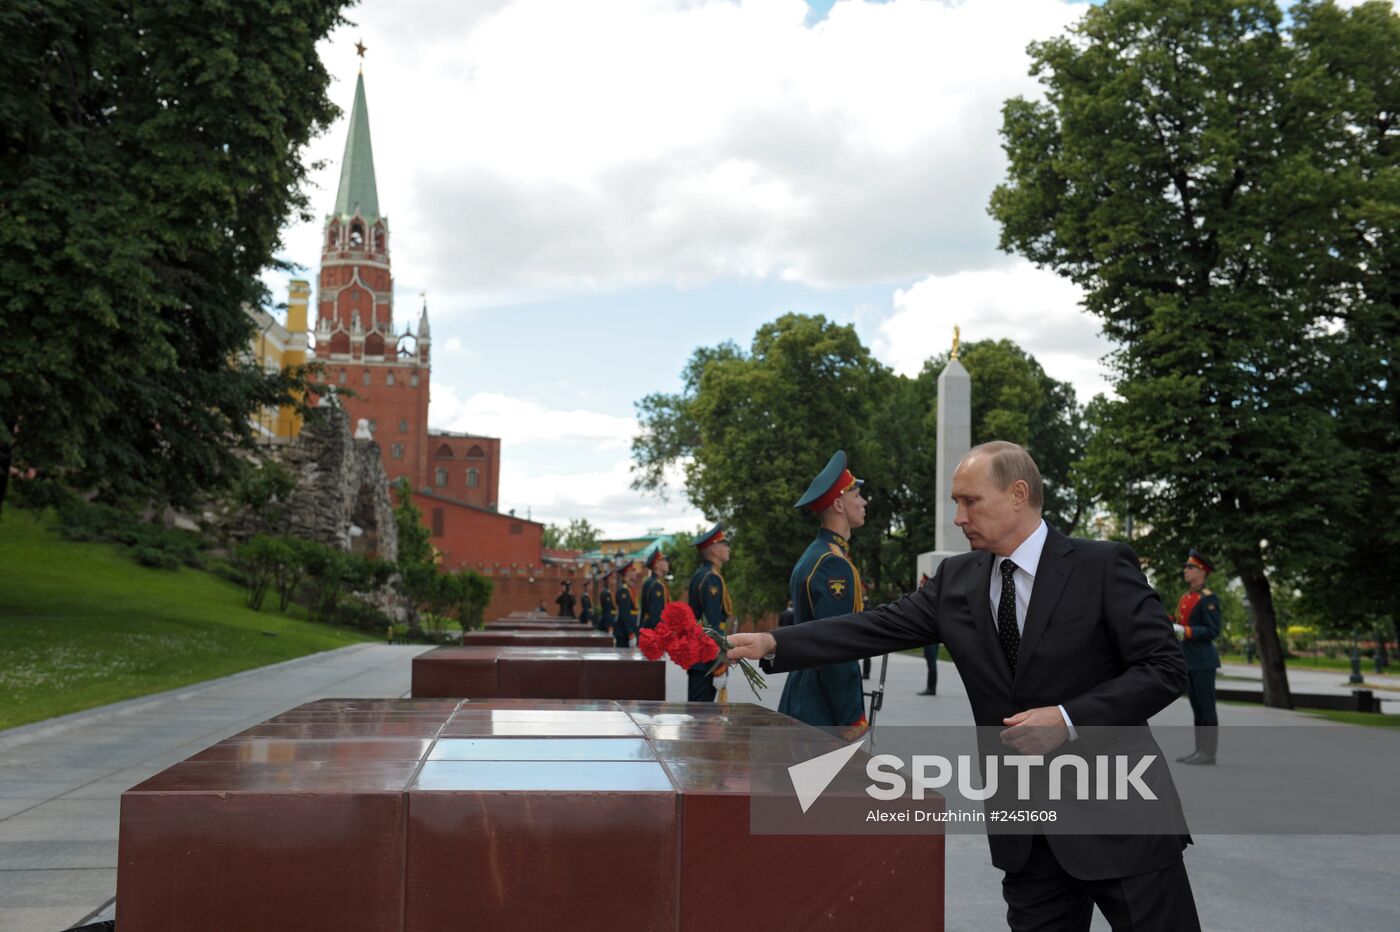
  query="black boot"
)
[{"x": 1207, "y": 739}]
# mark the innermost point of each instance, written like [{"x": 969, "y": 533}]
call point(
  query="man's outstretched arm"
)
[{"x": 911, "y": 621}]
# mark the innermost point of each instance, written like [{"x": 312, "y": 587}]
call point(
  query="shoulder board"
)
[
  {"x": 836, "y": 553},
  {"x": 1207, "y": 592}
]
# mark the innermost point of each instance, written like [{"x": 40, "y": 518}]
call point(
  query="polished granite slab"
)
[
  {"x": 575, "y": 636},
  {"x": 537, "y": 672},
  {"x": 537, "y": 624},
  {"x": 431, "y": 814}
]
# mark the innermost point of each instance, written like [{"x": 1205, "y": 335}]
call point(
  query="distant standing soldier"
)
[
  {"x": 605, "y": 599},
  {"x": 709, "y": 600},
  {"x": 825, "y": 584},
  {"x": 626, "y": 625},
  {"x": 1197, "y": 623},
  {"x": 585, "y": 609},
  {"x": 565, "y": 600},
  {"x": 930, "y": 656},
  {"x": 655, "y": 595}
]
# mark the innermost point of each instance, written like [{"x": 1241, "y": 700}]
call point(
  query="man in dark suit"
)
[{"x": 1049, "y": 635}]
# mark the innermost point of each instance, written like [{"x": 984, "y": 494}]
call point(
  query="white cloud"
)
[
  {"x": 573, "y": 463},
  {"x": 1036, "y": 309},
  {"x": 550, "y": 146},
  {"x": 602, "y": 496}
]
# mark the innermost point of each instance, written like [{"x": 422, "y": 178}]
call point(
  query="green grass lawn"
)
[
  {"x": 1374, "y": 719},
  {"x": 82, "y": 625},
  {"x": 1310, "y": 662}
]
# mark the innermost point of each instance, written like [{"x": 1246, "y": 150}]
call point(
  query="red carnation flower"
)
[
  {"x": 676, "y": 620},
  {"x": 709, "y": 650},
  {"x": 685, "y": 652},
  {"x": 651, "y": 644}
]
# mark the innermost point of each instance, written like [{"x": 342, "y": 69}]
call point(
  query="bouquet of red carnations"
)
[{"x": 687, "y": 642}]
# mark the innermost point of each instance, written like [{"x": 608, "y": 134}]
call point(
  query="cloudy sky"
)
[{"x": 589, "y": 191}]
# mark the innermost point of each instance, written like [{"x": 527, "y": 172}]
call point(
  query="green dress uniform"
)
[
  {"x": 626, "y": 627},
  {"x": 825, "y": 584},
  {"x": 605, "y": 601},
  {"x": 1198, "y": 613},
  {"x": 709, "y": 600},
  {"x": 585, "y": 612},
  {"x": 655, "y": 595}
]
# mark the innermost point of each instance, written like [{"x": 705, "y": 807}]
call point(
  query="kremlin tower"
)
[{"x": 388, "y": 370}]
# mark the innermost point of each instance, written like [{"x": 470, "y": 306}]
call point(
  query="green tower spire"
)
[{"x": 357, "y": 189}]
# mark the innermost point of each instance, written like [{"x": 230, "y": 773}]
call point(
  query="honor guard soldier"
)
[
  {"x": 709, "y": 600},
  {"x": 1197, "y": 623},
  {"x": 585, "y": 609},
  {"x": 825, "y": 584},
  {"x": 655, "y": 595},
  {"x": 606, "y": 617},
  {"x": 626, "y": 626}
]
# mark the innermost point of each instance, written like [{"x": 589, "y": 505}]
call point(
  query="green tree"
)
[
  {"x": 578, "y": 534},
  {"x": 258, "y": 559},
  {"x": 150, "y": 154},
  {"x": 1190, "y": 168},
  {"x": 474, "y": 594},
  {"x": 417, "y": 567},
  {"x": 581, "y": 535},
  {"x": 332, "y": 574},
  {"x": 1350, "y": 60}
]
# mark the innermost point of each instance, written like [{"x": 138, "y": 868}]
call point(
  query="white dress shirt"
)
[{"x": 1027, "y": 560}]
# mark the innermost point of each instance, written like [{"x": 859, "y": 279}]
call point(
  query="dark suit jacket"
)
[{"x": 1096, "y": 640}]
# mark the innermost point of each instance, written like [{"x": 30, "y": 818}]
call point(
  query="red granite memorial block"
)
[
  {"x": 578, "y": 637},
  {"x": 509, "y": 814},
  {"x": 718, "y": 762},
  {"x": 535, "y": 624},
  {"x": 539, "y": 819},
  {"x": 252, "y": 833},
  {"x": 546, "y": 673},
  {"x": 455, "y": 672}
]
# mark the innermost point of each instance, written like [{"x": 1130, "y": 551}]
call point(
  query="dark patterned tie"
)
[{"x": 1007, "y": 632}]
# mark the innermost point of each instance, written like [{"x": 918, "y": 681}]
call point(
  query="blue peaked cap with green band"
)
[{"x": 829, "y": 485}]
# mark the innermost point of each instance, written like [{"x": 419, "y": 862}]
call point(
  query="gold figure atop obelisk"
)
[{"x": 956, "y": 341}]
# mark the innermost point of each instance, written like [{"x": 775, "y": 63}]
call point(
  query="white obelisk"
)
[{"x": 954, "y": 440}]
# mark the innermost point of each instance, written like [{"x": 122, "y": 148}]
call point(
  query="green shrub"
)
[
  {"x": 150, "y": 544},
  {"x": 354, "y": 613},
  {"x": 260, "y": 560},
  {"x": 154, "y": 557}
]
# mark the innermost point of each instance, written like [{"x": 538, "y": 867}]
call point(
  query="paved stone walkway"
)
[{"x": 61, "y": 780}]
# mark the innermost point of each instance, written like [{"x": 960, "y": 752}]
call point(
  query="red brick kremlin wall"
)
[{"x": 503, "y": 548}]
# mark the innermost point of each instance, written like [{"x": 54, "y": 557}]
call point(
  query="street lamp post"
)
[{"x": 1355, "y": 677}]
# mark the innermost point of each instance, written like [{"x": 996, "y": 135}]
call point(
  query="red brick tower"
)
[{"x": 388, "y": 371}]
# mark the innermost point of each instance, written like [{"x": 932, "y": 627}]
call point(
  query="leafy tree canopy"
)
[
  {"x": 150, "y": 152},
  {"x": 1223, "y": 188}
]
